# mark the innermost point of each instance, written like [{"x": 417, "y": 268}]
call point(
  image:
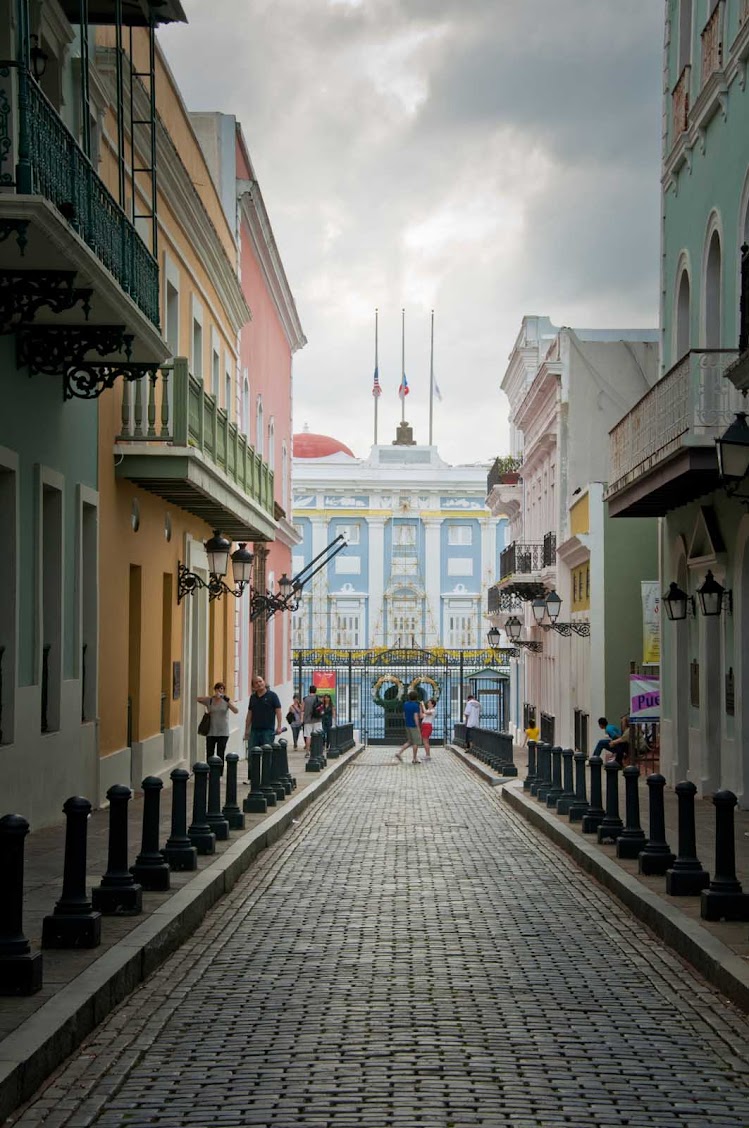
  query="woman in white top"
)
[
  {"x": 218, "y": 706},
  {"x": 427, "y": 721}
]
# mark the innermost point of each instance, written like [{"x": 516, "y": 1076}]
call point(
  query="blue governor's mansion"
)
[{"x": 423, "y": 549}]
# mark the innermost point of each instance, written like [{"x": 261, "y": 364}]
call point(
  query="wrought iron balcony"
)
[
  {"x": 520, "y": 559},
  {"x": 501, "y": 602},
  {"x": 549, "y": 551},
  {"x": 662, "y": 453},
  {"x": 40, "y": 157},
  {"x": 176, "y": 442}
]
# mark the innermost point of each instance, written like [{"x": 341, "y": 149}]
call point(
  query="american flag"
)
[{"x": 376, "y": 389}]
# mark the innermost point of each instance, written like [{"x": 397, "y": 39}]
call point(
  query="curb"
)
[
  {"x": 39, "y": 1045},
  {"x": 480, "y": 769},
  {"x": 719, "y": 965}
]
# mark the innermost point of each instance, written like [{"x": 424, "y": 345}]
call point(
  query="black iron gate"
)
[{"x": 370, "y": 687}]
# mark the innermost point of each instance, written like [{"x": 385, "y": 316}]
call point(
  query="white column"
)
[
  {"x": 432, "y": 581},
  {"x": 319, "y": 584},
  {"x": 487, "y": 567},
  {"x": 374, "y": 635}
]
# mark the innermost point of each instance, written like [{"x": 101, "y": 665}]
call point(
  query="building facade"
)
[
  {"x": 422, "y": 548},
  {"x": 663, "y": 454},
  {"x": 566, "y": 388}
]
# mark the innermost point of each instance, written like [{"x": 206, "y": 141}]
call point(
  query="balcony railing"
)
[
  {"x": 689, "y": 406},
  {"x": 712, "y": 43},
  {"x": 549, "y": 551},
  {"x": 680, "y": 104},
  {"x": 51, "y": 164},
  {"x": 186, "y": 415},
  {"x": 520, "y": 558},
  {"x": 502, "y": 602},
  {"x": 504, "y": 470}
]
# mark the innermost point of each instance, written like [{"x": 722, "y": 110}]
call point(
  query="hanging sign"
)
[
  {"x": 644, "y": 698},
  {"x": 651, "y": 622}
]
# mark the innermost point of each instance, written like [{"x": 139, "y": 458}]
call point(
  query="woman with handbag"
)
[
  {"x": 294, "y": 717},
  {"x": 217, "y": 711}
]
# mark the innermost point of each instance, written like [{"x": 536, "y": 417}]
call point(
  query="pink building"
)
[{"x": 262, "y": 405}]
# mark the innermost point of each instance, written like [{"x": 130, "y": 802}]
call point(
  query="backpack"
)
[{"x": 318, "y": 709}]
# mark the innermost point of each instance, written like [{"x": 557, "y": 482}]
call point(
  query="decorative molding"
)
[
  {"x": 24, "y": 292},
  {"x": 51, "y": 349},
  {"x": 87, "y": 380}
]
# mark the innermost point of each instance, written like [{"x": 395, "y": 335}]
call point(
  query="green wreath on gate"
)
[
  {"x": 429, "y": 681},
  {"x": 390, "y": 702}
]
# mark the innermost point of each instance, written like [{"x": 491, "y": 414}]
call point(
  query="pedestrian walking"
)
[
  {"x": 471, "y": 715},
  {"x": 263, "y": 721},
  {"x": 312, "y": 710},
  {"x": 218, "y": 706},
  {"x": 328, "y": 718},
  {"x": 295, "y": 718},
  {"x": 411, "y": 714},
  {"x": 427, "y": 724}
]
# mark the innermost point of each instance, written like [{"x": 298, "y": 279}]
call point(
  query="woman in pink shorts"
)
[{"x": 427, "y": 721}]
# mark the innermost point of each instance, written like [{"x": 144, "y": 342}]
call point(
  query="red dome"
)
[{"x": 307, "y": 445}]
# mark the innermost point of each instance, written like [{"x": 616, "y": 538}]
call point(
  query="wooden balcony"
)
[
  {"x": 176, "y": 442},
  {"x": 712, "y": 44},
  {"x": 680, "y": 104},
  {"x": 662, "y": 453}
]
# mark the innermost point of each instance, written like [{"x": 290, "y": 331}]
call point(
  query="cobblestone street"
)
[{"x": 412, "y": 953}]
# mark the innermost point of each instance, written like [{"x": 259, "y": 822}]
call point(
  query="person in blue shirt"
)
[
  {"x": 612, "y": 733},
  {"x": 412, "y": 716}
]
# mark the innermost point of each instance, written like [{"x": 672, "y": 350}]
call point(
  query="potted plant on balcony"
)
[{"x": 507, "y": 470}]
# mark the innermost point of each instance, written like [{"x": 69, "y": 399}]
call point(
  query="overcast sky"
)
[{"x": 485, "y": 158}]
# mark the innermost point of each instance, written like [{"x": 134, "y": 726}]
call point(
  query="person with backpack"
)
[{"x": 312, "y": 712}]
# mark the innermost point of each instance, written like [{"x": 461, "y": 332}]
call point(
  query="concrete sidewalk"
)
[
  {"x": 719, "y": 950},
  {"x": 81, "y": 986}
]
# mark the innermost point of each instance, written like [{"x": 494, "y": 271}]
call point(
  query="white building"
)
[
  {"x": 422, "y": 549},
  {"x": 566, "y": 390}
]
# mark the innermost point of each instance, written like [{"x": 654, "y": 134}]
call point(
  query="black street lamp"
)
[
  {"x": 547, "y": 608},
  {"x": 712, "y": 595},
  {"x": 39, "y": 58},
  {"x": 513, "y": 627},
  {"x": 677, "y": 603}
]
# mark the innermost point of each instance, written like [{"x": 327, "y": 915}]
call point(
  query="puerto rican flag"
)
[
  {"x": 403, "y": 389},
  {"x": 376, "y": 389}
]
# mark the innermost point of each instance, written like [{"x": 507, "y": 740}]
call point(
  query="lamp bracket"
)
[{"x": 580, "y": 628}]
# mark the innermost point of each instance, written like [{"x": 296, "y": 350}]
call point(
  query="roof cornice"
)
[{"x": 255, "y": 215}]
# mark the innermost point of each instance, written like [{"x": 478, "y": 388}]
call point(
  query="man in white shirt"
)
[{"x": 471, "y": 715}]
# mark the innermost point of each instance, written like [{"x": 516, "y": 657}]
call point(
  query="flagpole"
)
[
  {"x": 376, "y": 398},
  {"x": 403, "y": 363},
  {"x": 431, "y": 382}
]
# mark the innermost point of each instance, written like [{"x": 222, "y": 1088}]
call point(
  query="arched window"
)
[
  {"x": 683, "y": 306},
  {"x": 713, "y": 297},
  {"x": 245, "y": 404},
  {"x": 272, "y": 443},
  {"x": 259, "y": 432}
]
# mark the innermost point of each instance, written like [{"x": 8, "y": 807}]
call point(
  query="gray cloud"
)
[{"x": 485, "y": 158}]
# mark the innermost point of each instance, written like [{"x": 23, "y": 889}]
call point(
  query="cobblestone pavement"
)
[{"x": 412, "y": 954}]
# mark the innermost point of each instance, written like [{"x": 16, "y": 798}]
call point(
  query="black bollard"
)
[
  {"x": 283, "y": 761},
  {"x": 256, "y": 803},
  {"x": 179, "y": 851},
  {"x": 279, "y": 762},
  {"x": 686, "y": 877},
  {"x": 632, "y": 839},
  {"x": 593, "y": 817},
  {"x": 150, "y": 868},
  {"x": 543, "y": 778},
  {"x": 73, "y": 924},
  {"x": 118, "y": 893},
  {"x": 579, "y": 805},
  {"x": 199, "y": 832},
  {"x": 723, "y": 899},
  {"x": 657, "y": 856},
  {"x": 231, "y": 811},
  {"x": 611, "y": 824},
  {"x": 213, "y": 816},
  {"x": 567, "y": 798},
  {"x": 269, "y": 791},
  {"x": 277, "y": 784},
  {"x": 530, "y": 776},
  {"x": 554, "y": 792},
  {"x": 20, "y": 968},
  {"x": 316, "y": 761}
]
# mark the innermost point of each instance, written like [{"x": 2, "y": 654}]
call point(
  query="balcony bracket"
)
[
  {"x": 24, "y": 292},
  {"x": 566, "y": 629},
  {"x": 88, "y": 379},
  {"x": 52, "y": 349},
  {"x": 17, "y": 227}
]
